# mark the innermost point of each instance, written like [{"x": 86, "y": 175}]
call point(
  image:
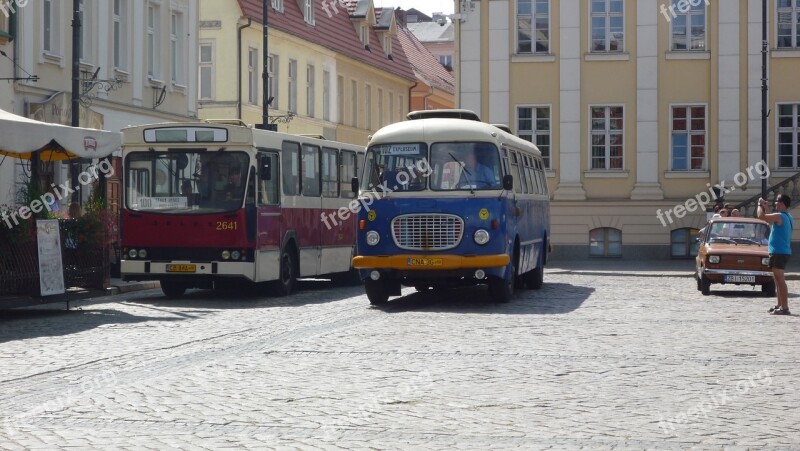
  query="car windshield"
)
[
  {"x": 396, "y": 167},
  {"x": 738, "y": 232},
  {"x": 465, "y": 166},
  {"x": 186, "y": 182}
]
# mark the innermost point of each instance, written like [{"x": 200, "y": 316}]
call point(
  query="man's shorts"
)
[{"x": 778, "y": 261}]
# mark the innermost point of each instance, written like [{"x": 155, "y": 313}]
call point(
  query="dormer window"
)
[
  {"x": 364, "y": 32},
  {"x": 277, "y": 5},
  {"x": 387, "y": 45},
  {"x": 308, "y": 11}
]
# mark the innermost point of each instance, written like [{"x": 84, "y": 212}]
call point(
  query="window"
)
[
  {"x": 311, "y": 178},
  {"x": 152, "y": 42},
  {"x": 380, "y": 107},
  {"x": 206, "y": 70},
  {"x": 85, "y": 44},
  {"x": 689, "y": 28},
  {"x": 391, "y": 108},
  {"x": 515, "y": 172},
  {"x": 607, "y": 136},
  {"x": 789, "y": 136},
  {"x": 533, "y": 124},
  {"x": 277, "y": 5},
  {"x": 293, "y": 86},
  {"x": 387, "y": 44},
  {"x": 533, "y": 26},
  {"x": 401, "y": 104},
  {"x": 788, "y": 24},
  {"x": 347, "y": 170},
  {"x": 330, "y": 167},
  {"x": 308, "y": 11},
  {"x": 364, "y": 35},
  {"x": 270, "y": 189},
  {"x": 368, "y": 107},
  {"x": 290, "y": 163},
  {"x": 310, "y": 88},
  {"x": 354, "y": 103},
  {"x": 683, "y": 242},
  {"x": 605, "y": 242},
  {"x": 446, "y": 61},
  {"x": 273, "y": 67},
  {"x": 340, "y": 99},
  {"x": 608, "y": 26},
  {"x": 326, "y": 95},
  {"x": 120, "y": 34},
  {"x": 252, "y": 75},
  {"x": 176, "y": 47},
  {"x": 50, "y": 27},
  {"x": 688, "y": 138}
]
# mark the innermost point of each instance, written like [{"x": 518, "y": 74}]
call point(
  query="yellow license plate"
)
[
  {"x": 181, "y": 268},
  {"x": 424, "y": 262}
]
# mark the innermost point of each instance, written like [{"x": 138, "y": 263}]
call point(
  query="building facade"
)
[
  {"x": 641, "y": 109},
  {"x": 137, "y": 66},
  {"x": 336, "y": 69}
]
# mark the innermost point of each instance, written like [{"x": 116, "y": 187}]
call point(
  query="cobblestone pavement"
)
[{"x": 588, "y": 361}]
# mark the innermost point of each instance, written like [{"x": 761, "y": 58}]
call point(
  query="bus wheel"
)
[
  {"x": 501, "y": 290},
  {"x": 287, "y": 283},
  {"x": 705, "y": 285},
  {"x": 535, "y": 277},
  {"x": 376, "y": 292},
  {"x": 172, "y": 289}
]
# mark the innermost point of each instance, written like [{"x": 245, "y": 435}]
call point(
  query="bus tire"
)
[
  {"x": 172, "y": 288},
  {"x": 502, "y": 289},
  {"x": 376, "y": 292},
  {"x": 287, "y": 282},
  {"x": 535, "y": 277},
  {"x": 350, "y": 278}
]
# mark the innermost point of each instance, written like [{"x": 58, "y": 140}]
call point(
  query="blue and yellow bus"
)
[{"x": 448, "y": 201}]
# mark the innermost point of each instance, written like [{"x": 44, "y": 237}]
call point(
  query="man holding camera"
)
[{"x": 780, "y": 247}]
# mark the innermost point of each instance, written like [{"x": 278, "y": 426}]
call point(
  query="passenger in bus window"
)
[
  {"x": 186, "y": 191},
  {"x": 234, "y": 187}
]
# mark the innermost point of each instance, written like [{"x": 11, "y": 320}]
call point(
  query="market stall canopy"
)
[{"x": 20, "y": 137}]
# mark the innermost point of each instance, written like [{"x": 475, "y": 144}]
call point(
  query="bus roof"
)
[{"x": 448, "y": 130}]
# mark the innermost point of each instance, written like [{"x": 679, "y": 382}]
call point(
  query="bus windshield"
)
[
  {"x": 184, "y": 182},
  {"x": 465, "y": 166},
  {"x": 396, "y": 167}
]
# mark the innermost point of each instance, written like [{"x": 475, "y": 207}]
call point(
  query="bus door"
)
[
  {"x": 309, "y": 228},
  {"x": 268, "y": 204},
  {"x": 338, "y": 234}
]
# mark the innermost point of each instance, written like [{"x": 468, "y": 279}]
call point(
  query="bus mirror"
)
[
  {"x": 354, "y": 184},
  {"x": 508, "y": 182},
  {"x": 266, "y": 168}
]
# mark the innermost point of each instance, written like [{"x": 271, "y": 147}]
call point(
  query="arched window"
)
[
  {"x": 605, "y": 242},
  {"x": 683, "y": 242}
]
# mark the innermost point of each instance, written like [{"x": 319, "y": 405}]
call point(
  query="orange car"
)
[{"x": 734, "y": 251}]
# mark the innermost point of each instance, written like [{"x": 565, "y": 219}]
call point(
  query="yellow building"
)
[
  {"x": 335, "y": 68},
  {"x": 639, "y": 115}
]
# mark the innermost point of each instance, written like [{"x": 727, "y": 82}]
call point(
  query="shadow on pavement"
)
[
  {"x": 553, "y": 298},
  {"x": 22, "y": 324}
]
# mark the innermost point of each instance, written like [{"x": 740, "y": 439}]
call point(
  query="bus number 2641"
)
[{"x": 227, "y": 225}]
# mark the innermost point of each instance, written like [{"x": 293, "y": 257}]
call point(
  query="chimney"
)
[{"x": 400, "y": 17}]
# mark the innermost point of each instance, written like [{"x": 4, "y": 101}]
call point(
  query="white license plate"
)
[{"x": 740, "y": 279}]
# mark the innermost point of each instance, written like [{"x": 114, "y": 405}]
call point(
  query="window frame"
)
[
  {"x": 292, "y": 79},
  {"x": 689, "y": 244},
  {"x": 252, "y": 75},
  {"x": 794, "y": 130},
  {"x": 534, "y": 132},
  {"x": 273, "y": 73},
  {"x": 344, "y": 181},
  {"x": 607, "y": 15},
  {"x": 607, "y": 133},
  {"x": 54, "y": 33},
  {"x": 209, "y": 65},
  {"x": 316, "y": 176},
  {"x": 354, "y": 103},
  {"x": 688, "y": 15},
  {"x": 326, "y": 192},
  {"x": 533, "y": 16},
  {"x": 340, "y": 99},
  {"x": 689, "y": 133},
  {"x": 176, "y": 38},
  {"x": 794, "y": 12},
  {"x": 368, "y": 106},
  {"x": 311, "y": 79},
  {"x": 326, "y": 94},
  {"x": 153, "y": 33},
  {"x": 286, "y": 151},
  {"x": 606, "y": 243},
  {"x": 119, "y": 35}
]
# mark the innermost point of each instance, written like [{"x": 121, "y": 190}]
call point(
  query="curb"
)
[
  {"x": 76, "y": 295},
  {"x": 580, "y": 272}
]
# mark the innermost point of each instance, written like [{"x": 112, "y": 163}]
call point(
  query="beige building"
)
[
  {"x": 636, "y": 111},
  {"x": 148, "y": 48},
  {"x": 336, "y": 68}
]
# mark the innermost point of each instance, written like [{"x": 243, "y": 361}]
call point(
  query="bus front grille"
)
[{"x": 427, "y": 232}]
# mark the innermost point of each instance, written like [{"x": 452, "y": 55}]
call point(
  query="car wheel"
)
[{"x": 705, "y": 285}]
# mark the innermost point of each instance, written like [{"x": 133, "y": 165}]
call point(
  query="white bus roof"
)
[{"x": 447, "y": 130}]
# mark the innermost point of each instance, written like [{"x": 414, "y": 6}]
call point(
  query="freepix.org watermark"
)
[
  {"x": 8, "y": 6},
  {"x": 48, "y": 200},
  {"x": 331, "y": 7},
  {"x": 419, "y": 169},
  {"x": 714, "y": 193},
  {"x": 683, "y": 7}
]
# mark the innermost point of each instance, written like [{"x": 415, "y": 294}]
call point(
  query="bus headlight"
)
[
  {"x": 226, "y": 255},
  {"x": 142, "y": 253},
  {"x": 765, "y": 261},
  {"x": 713, "y": 258},
  {"x": 481, "y": 236},
  {"x": 373, "y": 238},
  {"x": 235, "y": 255},
  {"x": 132, "y": 253}
]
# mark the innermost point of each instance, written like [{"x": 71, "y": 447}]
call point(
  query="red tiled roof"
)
[
  {"x": 335, "y": 32},
  {"x": 426, "y": 66}
]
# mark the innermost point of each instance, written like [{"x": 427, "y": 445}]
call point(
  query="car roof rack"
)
[
  {"x": 443, "y": 114},
  {"x": 503, "y": 127}
]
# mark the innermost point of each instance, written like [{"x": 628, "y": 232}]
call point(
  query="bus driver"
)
[{"x": 476, "y": 174}]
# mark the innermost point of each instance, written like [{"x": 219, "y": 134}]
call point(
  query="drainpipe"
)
[
  {"x": 239, "y": 67},
  {"x": 425, "y": 99},
  {"x": 410, "y": 94}
]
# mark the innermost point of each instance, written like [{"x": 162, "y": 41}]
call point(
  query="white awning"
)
[{"x": 20, "y": 137}]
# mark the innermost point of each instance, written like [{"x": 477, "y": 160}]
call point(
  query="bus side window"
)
[
  {"x": 310, "y": 166},
  {"x": 534, "y": 175},
  {"x": 516, "y": 173},
  {"x": 347, "y": 170},
  {"x": 504, "y": 157},
  {"x": 330, "y": 182},
  {"x": 542, "y": 175},
  {"x": 290, "y": 154},
  {"x": 269, "y": 193}
]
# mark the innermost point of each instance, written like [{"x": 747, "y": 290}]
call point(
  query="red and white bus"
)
[{"x": 217, "y": 201}]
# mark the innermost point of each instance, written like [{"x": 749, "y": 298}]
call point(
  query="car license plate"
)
[
  {"x": 740, "y": 279},
  {"x": 181, "y": 268},
  {"x": 424, "y": 262}
]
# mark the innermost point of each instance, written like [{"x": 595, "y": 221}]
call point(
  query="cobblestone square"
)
[{"x": 593, "y": 361}]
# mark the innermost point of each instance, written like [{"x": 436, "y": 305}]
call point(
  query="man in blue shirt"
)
[
  {"x": 780, "y": 247},
  {"x": 477, "y": 175}
]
